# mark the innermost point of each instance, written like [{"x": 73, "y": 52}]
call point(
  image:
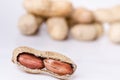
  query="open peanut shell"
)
[{"x": 44, "y": 55}]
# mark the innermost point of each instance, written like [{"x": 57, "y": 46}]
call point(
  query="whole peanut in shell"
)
[
  {"x": 84, "y": 32},
  {"x": 109, "y": 15},
  {"x": 28, "y": 24},
  {"x": 60, "y": 8},
  {"x": 57, "y": 28},
  {"x": 82, "y": 15},
  {"x": 103, "y": 15},
  {"x": 87, "y": 32}
]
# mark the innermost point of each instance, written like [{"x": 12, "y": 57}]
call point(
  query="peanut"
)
[
  {"x": 58, "y": 67},
  {"x": 84, "y": 32},
  {"x": 82, "y": 15},
  {"x": 57, "y": 28},
  {"x": 30, "y": 61},
  {"x": 107, "y": 15},
  {"x": 60, "y": 8},
  {"x": 29, "y": 24},
  {"x": 36, "y": 62},
  {"x": 103, "y": 15}
]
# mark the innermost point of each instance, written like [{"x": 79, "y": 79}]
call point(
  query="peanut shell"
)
[{"x": 43, "y": 54}]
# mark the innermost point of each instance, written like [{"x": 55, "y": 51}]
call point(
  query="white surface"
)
[{"x": 98, "y": 60}]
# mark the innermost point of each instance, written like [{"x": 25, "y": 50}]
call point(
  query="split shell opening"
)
[{"x": 54, "y": 60}]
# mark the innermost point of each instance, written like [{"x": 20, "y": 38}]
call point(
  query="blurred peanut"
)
[
  {"x": 103, "y": 15},
  {"x": 107, "y": 15},
  {"x": 82, "y": 15},
  {"x": 29, "y": 24},
  {"x": 57, "y": 28},
  {"x": 86, "y": 32}
]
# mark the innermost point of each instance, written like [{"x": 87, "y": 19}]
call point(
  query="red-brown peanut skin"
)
[
  {"x": 58, "y": 67},
  {"x": 30, "y": 61}
]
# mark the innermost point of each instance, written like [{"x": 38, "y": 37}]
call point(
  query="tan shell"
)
[
  {"x": 37, "y": 7},
  {"x": 82, "y": 15},
  {"x": 108, "y": 15},
  {"x": 48, "y": 8},
  {"x": 103, "y": 15},
  {"x": 28, "y": 24},
  {"x": 114, "y": 32},
  {"x": 116, "y": 13},
  {"x": 60, "y": 8},
  {"x": 47, "y": 54},
  {"x": 84, "y": 32},
  {"x": 57, "y": 28}
]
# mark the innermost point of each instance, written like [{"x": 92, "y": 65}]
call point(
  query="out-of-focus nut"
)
[
  {"x": 60, "y": 8},
  {"x": 103, "y": 15},
  {"x": 84, "y": 32},
  {"x": 57, "y": 28},
  {"x": 82, "y": 15},
  {"x": 28, "y": 24}
]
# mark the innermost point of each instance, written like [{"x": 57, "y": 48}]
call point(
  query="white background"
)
[{"x": 98, "y": 60}]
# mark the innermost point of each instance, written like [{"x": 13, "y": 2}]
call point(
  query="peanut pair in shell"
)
[{"x": 52, "y": 63}]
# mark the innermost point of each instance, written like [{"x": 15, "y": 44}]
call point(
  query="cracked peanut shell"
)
[{"x": 45, "y": 55}]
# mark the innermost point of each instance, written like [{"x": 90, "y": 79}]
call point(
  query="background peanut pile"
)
[{"x": 63, "y": 19}]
